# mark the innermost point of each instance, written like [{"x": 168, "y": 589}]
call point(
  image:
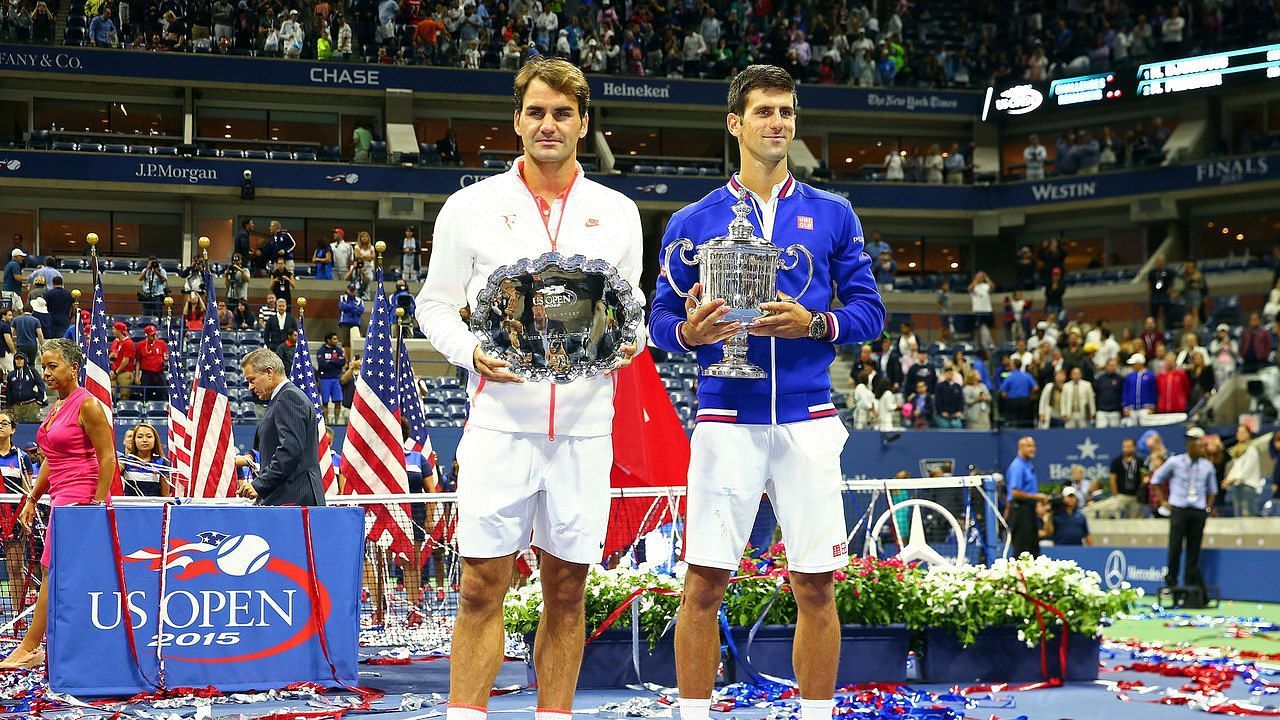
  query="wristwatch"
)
[{"x": 818, "y": 326}]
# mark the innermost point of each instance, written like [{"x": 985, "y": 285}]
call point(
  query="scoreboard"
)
[
  {"x": 1209, "y": 71},
  {"x": 1167, "y": 77}
]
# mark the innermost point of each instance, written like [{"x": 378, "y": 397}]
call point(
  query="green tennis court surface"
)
[{"x": 1157, "y": 629}]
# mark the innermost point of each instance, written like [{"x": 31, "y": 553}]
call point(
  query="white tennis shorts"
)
[
  {"x": 515, "y": 489},
  {"x": 797, "y": 464}
]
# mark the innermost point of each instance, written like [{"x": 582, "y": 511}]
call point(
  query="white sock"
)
[
  {"x": 545, "y": 714},
  {"x": 816, "y": 709},
  {"x": 464, "y": 712},
  {"x": 695, "y": 708}
]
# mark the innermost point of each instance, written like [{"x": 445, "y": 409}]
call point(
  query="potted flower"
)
[
  {"x": 984, "y": 623},
  {"x": 875, "y": 599},
  {"x": 608, "y": 659}
]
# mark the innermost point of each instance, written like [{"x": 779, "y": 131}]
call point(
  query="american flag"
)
[
  {"x": 97, "y": 370},
  {"x": 179, "y": 421},
  {"x": 303, "y": 374},
  {"x": 373, "y": 454},
  {"x": 411, "y": 410},
  {"x": 212, "y": 474}
]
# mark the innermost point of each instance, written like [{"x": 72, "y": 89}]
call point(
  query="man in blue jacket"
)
[
  {"x": 329, "y": 363},
  {"x": 780, "y": 434},
  {"x": 350, "y": 313},
  {"x": 1139, "y": 390}
]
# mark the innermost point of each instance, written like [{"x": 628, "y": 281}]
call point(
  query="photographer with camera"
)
[
  {"x": 356, "y": 276},
  {"x": 236, "y": 277},
  {"x": 155, "y": 285}
]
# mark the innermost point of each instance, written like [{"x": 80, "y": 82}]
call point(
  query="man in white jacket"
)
[
  {"x": 535, "y": 457},
  {"x": 1078, "y": 401}
]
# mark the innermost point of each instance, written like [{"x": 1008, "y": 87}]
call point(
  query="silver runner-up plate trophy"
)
[
  {"x": 557, "y": 318},
  {"x": 742, "y": 269}
]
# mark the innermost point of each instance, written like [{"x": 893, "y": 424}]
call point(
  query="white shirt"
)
[
  {"x": 496, "y": 222},
  {"x": 980, "y": 297},
  {"x": 766, "y": 209},
  {"x": 1034, "y": 156},
  {"x": 279, "y": 387}
]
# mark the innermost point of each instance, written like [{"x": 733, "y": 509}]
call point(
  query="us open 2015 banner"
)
[{"x": 237, "y": 610}]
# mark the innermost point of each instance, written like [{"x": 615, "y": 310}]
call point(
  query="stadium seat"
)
[
  {"x": 62, "y": 145},
  {"x": 330, "y": 153},
  {"x": 38, "y": 139},
  {"x": 157, "y": 408},
  {"x": 139, "y": 149},
  {"x": 686, "y": 170},
  {"x": 589, "y": 166},
  {"x": 279, "y": 155},
  {"x": 89, "y": 147},
  {"x": 448, "y": 382},
  {"x": 665, "y": 169},
  {"x": 708, "y": 171},
  {"x": 255, "y": 154},
  {"x": 233, "y": 154},
  {"x": 493, "y": 164},
  {"x": 208, "y": 152},
  {"x": 129, "y": 408},
  {"x": 166, "y": 150},
  {"x": 428, "y": 154},
  {"x": 306, "y": 271},
  {"x": 305, "y": 156},
  {"x": 378, "y": 151},
  {"x": 643, "y": 169},
  {"x": 117, "y": 148}
]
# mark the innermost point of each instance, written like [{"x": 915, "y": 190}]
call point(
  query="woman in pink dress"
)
[{"x": 80, "y": 464}]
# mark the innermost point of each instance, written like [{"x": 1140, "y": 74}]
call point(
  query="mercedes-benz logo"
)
[{"x": 1114, "y": 571}]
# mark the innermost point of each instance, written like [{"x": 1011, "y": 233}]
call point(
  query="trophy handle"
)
[
  {"x": 796, "y": 251},
  {"x": 684, "y": 245}
]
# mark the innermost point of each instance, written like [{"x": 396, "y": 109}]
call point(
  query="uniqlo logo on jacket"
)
[
  {"x": 839, "y": 549},
  {"x": 804, "y": 222}
]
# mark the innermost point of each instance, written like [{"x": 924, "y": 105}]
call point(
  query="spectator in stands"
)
[
  {"x": 876, "y": 246},
  {"x": 144, "y": 470},
  {"x": 1088, "y": 153},
  {"x": 46, "y": 268},
  {"x": 24, "y": 390},
  {"x": 42, "y": 24},
  {"x": 920, "y": 407},
  {"x": 955, "y": 163},
  {"x": 348, "y": 380},
  {"x": 222, "y": 27},
  {"x": 153, "y": 357},
  {"x": 1068, "y": 525},
  {"x": 286, "y": 349},
  {"x": 1191, "y": 345},
  {"x": 245, "y": 317},
  {"x": 1064, "y": 158},
  {"x": 236, "y": 280},
  {"x": 1053, "y": 293},
  {"x": 1159, "y": 282},
  {"x": 1172, "y": 387},
  {"x": 977, "y": 402},
  {"x": 949, "y": 400},
  {"x": 59, "y": 303},
  {"x": 1150, "y": 336},
  {"x": 342, "y": 253},
  {"x": 8, "y": 346},
  {"x": 884, "y": 272},
  {"x": 122, "y": 356},
  {"x": 28, "y": 333},
  {"x": 350, "y": 313},
  {"x": 40, "y": 308},
  {"x": 226, "y": 318},
  {"x": 13, "y": 278},
  {"x": 1201, "y": 377},
  {"x": 1016, "y": 390},
  {"x": 921, "y": 371},
  {"x": 280, "y": 245},
  {"x": 342, "y": 47},
  {"x": 887, "y": 415},
  {"x": 278, "y": 325},
  {"x": 291, "y": 36},
  {"x": 980, "y": 289},
  {"x": 409, "y": 254},
  {"x": 1139, "y": 390},
  {"x": 193, "y": 309},
  {"x": 893, "y": 165},
  {"x": 1271, "y": 311},
  {"x": 364, "y": 252},
  {"x": 330, "y": 360},
  {"x": 1035, "y": 154},
  {"x": 322, "y": 259},
  {"x": 1255, "y": 345},
  {"x": 933, "y": 165},
  {"x": 1108, "y": 388},
  {"x": 1025, "y": 268},
  {"x": 864, "y": 400},
  {"x": 1172, "y": 32},
  {"x": 267, "y": 309},
  {"x": 102, "y": 31},
  {"x": 1244, "y": 482},
  {"x": 1052, "y": 410},
  {"x": 1078, "y": 404},
  {"x": 282, "y": 282},
  {"x": 1194, "y": 290},
  {"x": 155, "y": 285},
  {"x": 1225, "y": 353}
]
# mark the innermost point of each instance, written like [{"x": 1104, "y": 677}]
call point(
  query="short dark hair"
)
[
  {"x": 57, "y": 280},
  {"x": 759, "y": 77},
  {"x": 245, "y": 222},
  {"x": 330, "y": 334}
]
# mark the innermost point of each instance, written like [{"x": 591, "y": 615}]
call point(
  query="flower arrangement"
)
[
  {"x": 964, "y": 600},
  {"x": 606, "y": 590}
]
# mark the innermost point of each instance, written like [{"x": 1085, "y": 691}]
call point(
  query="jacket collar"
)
[{"x": 784, "y": 189}]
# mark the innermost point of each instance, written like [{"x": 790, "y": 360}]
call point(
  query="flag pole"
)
[{"x": 75, "y": 301}]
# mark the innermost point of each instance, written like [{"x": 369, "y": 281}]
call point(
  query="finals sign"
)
[{"x": 231, "y": 603}]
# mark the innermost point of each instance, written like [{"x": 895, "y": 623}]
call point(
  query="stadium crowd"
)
[{"x": 912, "y": 44}]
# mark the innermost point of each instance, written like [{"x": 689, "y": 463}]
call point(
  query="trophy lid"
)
[{"x": 741, "y": 231}]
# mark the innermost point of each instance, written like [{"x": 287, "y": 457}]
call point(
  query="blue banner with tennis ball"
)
[{"x": 233, "y": 597}]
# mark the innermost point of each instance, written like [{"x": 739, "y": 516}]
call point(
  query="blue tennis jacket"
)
[{"x": 798, "y": 385}]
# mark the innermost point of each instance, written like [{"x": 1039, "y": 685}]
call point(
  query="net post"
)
[{"x": 991, "y": 526}]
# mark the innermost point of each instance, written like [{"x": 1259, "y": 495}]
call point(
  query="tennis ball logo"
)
[{"x": 243, "y": 555}]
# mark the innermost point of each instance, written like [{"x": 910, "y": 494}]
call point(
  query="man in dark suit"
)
[{"x": 287, "y": 439}]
